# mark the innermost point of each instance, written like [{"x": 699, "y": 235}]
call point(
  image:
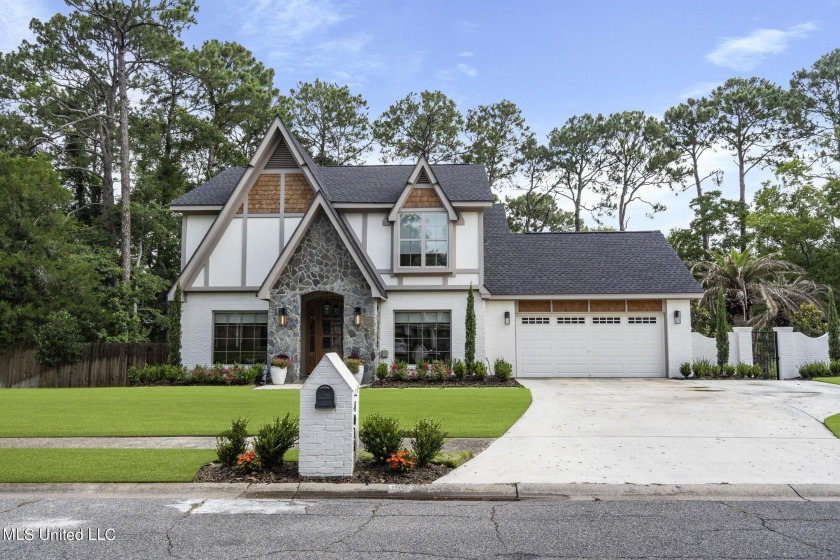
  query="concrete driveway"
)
[{"x": 651, "y": 431}]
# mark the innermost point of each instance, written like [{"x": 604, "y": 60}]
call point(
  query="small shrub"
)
[
  {"x": 426, "y": 441},
  {"x": 400, "y": 461},
  {"x": 502, "y": 369},
  {"x": 381, "y": 436},
  {"x": 440, "y": 371},
  {"x": 353, "y": 365},
  {"x": 702, "y": 368},
  {"x": 834, "y": 367},
  {"x": 248, "y": 462},
  {"x": 743, "y": 370},
  {"x": 381, "y": 371},
  {"x": 480, "y": 371},
  {"x": 814, "y": 369},
  {"x": 59, "y": 340},
  {"x": 233, "y": 442},
  {"x": 148, "y": 374},
  {"x": 685, "y": 369},
  {"x": 399, "y": 371},
  {"x": 253, "y": 373},
  {"x": 808, "y": 320},
  {"x": 459, "y": 368},
  {"x": 273, "y": 440},
  {"x": 729, "y": 371}
]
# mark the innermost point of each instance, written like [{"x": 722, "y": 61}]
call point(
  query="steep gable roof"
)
[{"x": 640, "y": 262}]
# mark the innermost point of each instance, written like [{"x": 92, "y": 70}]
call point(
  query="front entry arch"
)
[{"x": 323, "y": 328}]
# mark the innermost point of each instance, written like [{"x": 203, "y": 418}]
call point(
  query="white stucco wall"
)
[
  {"x": 467, "y": 244},
  {"x": 196, "y": 226},
  {"x": 197, "y": 321},
  {"x": 263, "y": 248},
  {"x": 677, "y": 337},
  {"x": 379, "y": 240},
  {"x": 500, "y": 339},
  {"x": 455, "y": 302},
  {"x": 796, "y": 349},
  {"x": 740, "y": 347},
  {"x": 226, "y": 258}
]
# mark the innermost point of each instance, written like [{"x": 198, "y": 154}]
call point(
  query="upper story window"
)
[{"x": 424, "y": 239}]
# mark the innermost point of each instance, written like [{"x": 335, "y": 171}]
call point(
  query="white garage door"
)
[{"x": 591, "y": 345}]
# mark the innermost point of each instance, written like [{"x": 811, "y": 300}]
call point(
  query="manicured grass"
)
[
  {"x": 834, "y": 380},
  {"x": 206, "y": 411},
  {"x": 101, "y": 465},
  {"x": 833, "y": 424}
]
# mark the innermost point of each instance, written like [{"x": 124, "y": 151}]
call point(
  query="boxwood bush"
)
[{"x": 381, "y": 436}]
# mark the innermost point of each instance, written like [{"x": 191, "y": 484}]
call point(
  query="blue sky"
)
[{"x": 554, "y": 59}]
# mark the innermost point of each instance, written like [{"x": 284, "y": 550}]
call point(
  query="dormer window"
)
[{"x": 424, "y": 240}]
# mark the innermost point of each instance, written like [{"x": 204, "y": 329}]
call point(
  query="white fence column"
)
[
  {"x": 741, "y": 346},
  {"x": 786, "y": 345}
]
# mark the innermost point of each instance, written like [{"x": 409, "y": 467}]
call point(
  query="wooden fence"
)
[{"x": 102, "y": 365}]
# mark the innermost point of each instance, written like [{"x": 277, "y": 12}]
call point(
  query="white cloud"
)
[
  {"x": 698, "y": 90},
  {"x": 466, "y": 54},
  {"x": 14, "y": 22},
  {"x": 745, "y": 53},
  {"x": 467, "y": 70}
]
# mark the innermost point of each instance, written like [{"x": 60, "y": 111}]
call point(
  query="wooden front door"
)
[{"x": 323, "y": 330}]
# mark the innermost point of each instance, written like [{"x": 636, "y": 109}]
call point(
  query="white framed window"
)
[
  {"x": 240, "y": 337},
  {"x": 422, "y": 335},
  {"x": 423, "y": 240}
]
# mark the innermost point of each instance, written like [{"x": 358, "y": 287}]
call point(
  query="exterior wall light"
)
[
  {"x": 507, "y": 317},
  {"x": 357, "y": 316},
  {"x": 677, "y": 317},
  {"x": 282, "y": 316}
]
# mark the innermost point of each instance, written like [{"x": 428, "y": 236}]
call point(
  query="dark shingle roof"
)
[
  {"x": 361, "y": 184},
  {"x": 213, "y": 192},
  {"x": 639, "y": 262}
]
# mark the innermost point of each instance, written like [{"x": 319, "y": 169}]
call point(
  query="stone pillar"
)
[
  {"x": 740, "y": 345},
  {"x": 329, "y": 420},
  {"x": 787, "y": 352}
]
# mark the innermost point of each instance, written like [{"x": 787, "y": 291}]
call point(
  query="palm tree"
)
[{"x": 760, "y": 287}]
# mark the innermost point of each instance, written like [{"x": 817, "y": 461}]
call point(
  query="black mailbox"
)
[{"x": 324, "y": 397}]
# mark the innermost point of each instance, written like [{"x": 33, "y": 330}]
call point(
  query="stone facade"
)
[{"x": 322, "y": 264}]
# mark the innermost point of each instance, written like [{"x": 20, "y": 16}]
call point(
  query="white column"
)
[
  {"x": 740, "y": 346},
  {"x": 787, "y": 352},
  {"x": 677, "y": 335}
]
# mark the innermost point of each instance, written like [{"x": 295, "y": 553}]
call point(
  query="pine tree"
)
[
  {"x": 833, "y": 328},
  {"x": 175, "y": 328},
  {"x": 469, "y": 327},
  {"x": 721, "y": 330}
]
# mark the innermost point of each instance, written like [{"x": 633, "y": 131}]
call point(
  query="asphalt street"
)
[{"x": 372, "y": 529}]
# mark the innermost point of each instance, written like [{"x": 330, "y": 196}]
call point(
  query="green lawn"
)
[
  {"x": 101, "y": 465},
  {"x": 834, "y": 380},
  {"x": 833, "y": 424},
  {"x": 206, "y": 411}
]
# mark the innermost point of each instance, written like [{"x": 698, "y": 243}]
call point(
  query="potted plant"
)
[
  {"x": 279, "y": 367},
  {"x": 354, "y": 363}
]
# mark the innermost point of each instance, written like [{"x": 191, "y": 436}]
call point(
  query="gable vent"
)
[
  {"x": 423, "y": 178},
  {"x": 282, "y": 158}
]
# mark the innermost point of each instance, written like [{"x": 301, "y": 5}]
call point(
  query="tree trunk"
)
[
  {"x": 742, "y": 183},
  {"x": 699, "y": 186},
  {"x": 577, "y": 203},
  {"x": 125, "y": 172}
]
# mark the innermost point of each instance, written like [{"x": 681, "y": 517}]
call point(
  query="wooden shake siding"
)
[
  {"x": 299, "y": 194},
  {"x": 423, "y": 198}
]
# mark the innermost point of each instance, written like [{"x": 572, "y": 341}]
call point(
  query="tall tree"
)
[
  {"x": 494, "y": 134},
  {"x": 721, "y": 329},
  {"x": 820, "y": 87},
  {"x": 751, "y": 119},
  {"x": 578, "y": 153},
  {"x": 639, "y": 156},
  {"x": 329, "y": 121},
  {"x": 469, "y": 327},
  {"x": 537, "y": 213},
  {"x": 428, "y": 124},
  {"x": 533, "y": 162}
]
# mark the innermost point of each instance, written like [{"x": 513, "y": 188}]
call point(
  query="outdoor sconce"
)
[
  {"x": 507, "y": 317},
  {"x": 282, "y": 316},
  {"x": 677, "y": 317},
  {"x": 357, "y": 316}
]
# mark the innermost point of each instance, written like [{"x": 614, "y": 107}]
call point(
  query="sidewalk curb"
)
[{"x": 441, "y": 491}]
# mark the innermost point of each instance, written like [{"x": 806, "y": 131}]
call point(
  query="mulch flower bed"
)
[
  {"x": 468, "y": 382},
  {"x": 366, "y": 472}
]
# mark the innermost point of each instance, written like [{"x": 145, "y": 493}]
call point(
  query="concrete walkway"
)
[{"x": 651, "y": 431}]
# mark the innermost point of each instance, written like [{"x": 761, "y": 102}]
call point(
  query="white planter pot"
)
[
  {"x": 358, "y": 376},
  {"x": 278, "y": 375}
]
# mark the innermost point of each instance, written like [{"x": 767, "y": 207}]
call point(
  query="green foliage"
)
[
  {"x": 811, "y": 370},
  {"x": 426, "y": 441},
  {"x": 426, "y": 125},
  {"x": 470, "y": 330},
  {"x": 199, "y": 375},
  {"x": 502, "y": 369},
  {"x": 721, "y": 330},
  {"x": 537, "y": 213},
  {"x": 743, "y": 370},
  {"x": 152, "y": 374},
  {"x": 399, "y": 371},
  {"x": 273, "y": 440},
  {"x": 353, "y": 364},
  {"x": 381, "y": 436},
  {"x": 833, "y": 328},
  {"x": 494, "y": 133},
  {"x": 175, "y": 328},
  {"x": 701, "y": 319},
  {"x": 834, "y": 366},
  {"x": 480, "y": 371},
  {"x": 728, "y": 370},
  {"x": 381, "y": 371},
  {"x": 702, "y": 368},
  {"x": 59, "y": 340},
  {"x": 685, "y": 369},
  {"x": 808, "y": 320},
  {"x": 232, "y": 442},
  {"x": 459, "y": 368}
]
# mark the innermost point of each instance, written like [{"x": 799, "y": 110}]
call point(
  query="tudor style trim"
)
[
  {"x": 422, "y": 165},
  {"x": 321, "y": 203}
]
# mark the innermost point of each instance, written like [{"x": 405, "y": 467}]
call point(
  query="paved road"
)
[
  {"x": 658, "y": 431},
  {"x": 219, "y": 528}
]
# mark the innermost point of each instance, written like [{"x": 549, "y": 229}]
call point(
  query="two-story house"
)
[{"x": 288, "y": 257}]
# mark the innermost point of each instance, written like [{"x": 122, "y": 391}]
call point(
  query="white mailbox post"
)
[{"x": 329, "y": 420}]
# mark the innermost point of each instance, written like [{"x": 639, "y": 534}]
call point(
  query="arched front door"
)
[{"x": 323, "y": 329}]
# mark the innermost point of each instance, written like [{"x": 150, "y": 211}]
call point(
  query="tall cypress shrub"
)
[
  {"x": 721, "y": 330},
  {"x": 469, "y": 327},
  {"x": 175, "y": 328},
  {"x": 833, "y": 328}
]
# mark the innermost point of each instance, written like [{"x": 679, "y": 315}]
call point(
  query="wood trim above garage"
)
[{"x": 587, "y": 305}]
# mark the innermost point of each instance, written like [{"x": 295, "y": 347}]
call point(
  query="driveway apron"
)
[{"x": 659, "y": 431}]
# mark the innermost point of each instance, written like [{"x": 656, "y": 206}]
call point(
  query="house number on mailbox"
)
[{"x": 324, "y": 397}]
